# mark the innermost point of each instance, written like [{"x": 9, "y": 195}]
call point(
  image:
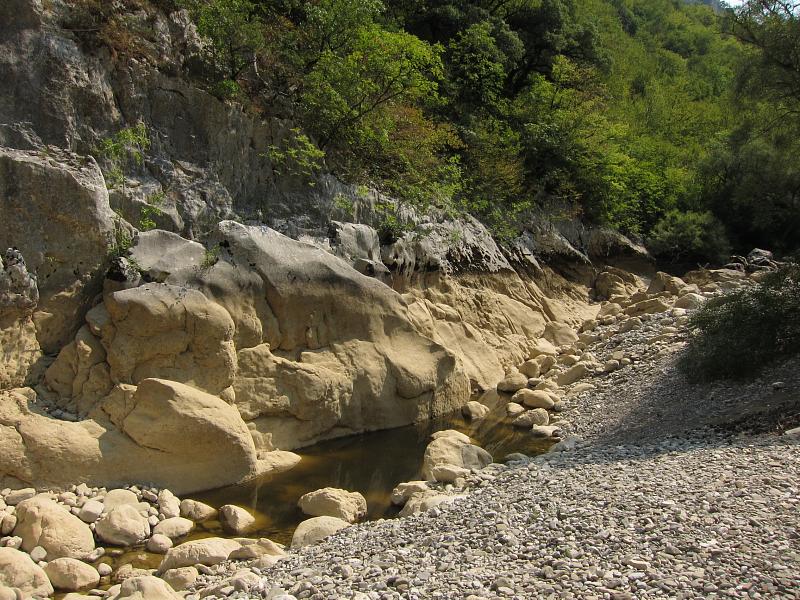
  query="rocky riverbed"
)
[{"x": 659, "y": 488}]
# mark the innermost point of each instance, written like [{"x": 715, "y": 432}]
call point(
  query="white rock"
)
[
  {"x": 42, "y": 522},
  {"x": 404, "y": 491},
  {"x": 546, "y": 431},
  {"x": 116, "y": 498},
  {"x": 208, "y": 551},
  {"x": 449, "y": 473},
  {"x": 533, "y": 399},
  {"x": 38, "y": 554},
  {"x": 104, "y": 569},
  {"x": 513, "y": 409},
  {"x": 513, "y": 381}
]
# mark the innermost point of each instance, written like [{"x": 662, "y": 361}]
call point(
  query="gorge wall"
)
[{"x": 256, "y": 319}]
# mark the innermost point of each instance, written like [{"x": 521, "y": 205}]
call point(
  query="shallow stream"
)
[{"x": 371, "y": 463}]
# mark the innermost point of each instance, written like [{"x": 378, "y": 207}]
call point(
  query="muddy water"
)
[{"x": 371, "y": 463}]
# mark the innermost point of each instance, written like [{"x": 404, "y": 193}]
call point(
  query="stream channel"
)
[{"x": 370, "y": 463}]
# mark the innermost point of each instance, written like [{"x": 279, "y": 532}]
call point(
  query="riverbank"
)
[{"x": 670, "y": 489}]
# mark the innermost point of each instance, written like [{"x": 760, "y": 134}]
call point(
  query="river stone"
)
[
  {"x": 197, "y": 511},
  {"x": 475, "y": 410},
  {"x": 450, "y": 450},
  {"x": 16, "y": 496},
  {"x": 91, "y": 511},
  {"x": 420, "y": 503},
  {"x": 168, "y": 504},
  {"x": 71, "y": 575},
  {"x": 512, "y": 382},
  {"x": 449, "y": 473},
  {"x": 174, "y": 528},
  {"x": 257, "y": 549},
  {"x": 334, "y": 502},
  {"x": 648, "y": 307},
  {"x": 208, "y": 551},
  {"x": 17, "y": 570},
  {"x": 115, "y": 498},
  {"x": 145, "y": 588},
  {"x": 530, "y": 368},
  {"x": 527, "y": 420},
  {"x": 235, "y": 519},
  {"x": 316, "y": 529},
  {"x": 572, "y": 374},
  {"x": 533, "y": 399},
  {"x": 513, "y": 409},
  {"x": 404, "y": 491},
  {"x": 42, "y": 522},
  {"x": 159, "y": 544},
  {"x": 181, "y": 578},
  {"x": 546, "y": 431},
  {"x": 690, "y": 301},
  {"x": 123, "y": 526},
  {"x": 452, "y": 433}
]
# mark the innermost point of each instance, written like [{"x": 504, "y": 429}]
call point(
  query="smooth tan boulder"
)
[
  {"x": 256, "y": 548},
  {"x": 513, "y": 381},
  {"x": 542, "y": 347},
  {"x": 474, "y": 410},
  {"x": 530, "y": 418},
  {"x": 197, "y": 511},
  {"x": 648, "y": 307},
  {"x": 71, "y": 575},
  {"x": 181, "y": 578},
  {"x": 404, "y": 491},
  {"x": 664, "y": 282},
  {"x": 423, "y": 502},
  {"x": 334, "y": 502},
  {"x": 533, "y": 399},
  {"x": 123, "y": 526},
  {"x": 119, "y": 497},
  {"x": 236, "y": 519},
  {"x": 159, "y": 544},
  {"x": 17, "y": 570},
  {"x": 690, "y": 301},
  {"x": 315, "y": 530},
  {"x": 453, "y": 450},
  {"x": 530, "y": 368},
  {"x": 174, "y": 527},
  {"x": 42, "y": 522},
  {"x": 208, "y": 551},
  {"x": 513, "y": 409},
  {"x": 145, "y": 588}
]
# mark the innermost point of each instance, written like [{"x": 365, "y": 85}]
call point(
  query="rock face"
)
[
  {"x": 17, "y": 570},
  {"x": 42, "y": 522},
  {"x": 332, "y": 502},
  {"x": 66, "y": 247}
]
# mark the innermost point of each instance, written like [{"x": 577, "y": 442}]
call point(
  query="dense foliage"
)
[
  {"x": 671, "y": 120},
  {"x": 738, "y": 334}
]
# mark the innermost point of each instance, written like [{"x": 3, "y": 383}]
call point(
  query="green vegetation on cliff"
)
[{"x": 673, "y": 121}]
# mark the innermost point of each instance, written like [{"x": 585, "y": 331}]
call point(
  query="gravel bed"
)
[{"x": 668, "y": 493}]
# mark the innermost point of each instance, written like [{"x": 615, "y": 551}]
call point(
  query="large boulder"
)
[
  {"x": 162, "y": 432},
  {"x": 17, "y": 570},
  {"x": 42, "y": 522},
  {"x": 208, "y": 551},
  {"x": 174, "y": 527},
  {"x": 334, "y": 502},
  {"x": 315, "y": 530}
]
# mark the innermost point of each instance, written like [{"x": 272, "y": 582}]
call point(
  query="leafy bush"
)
[
  {"x": 119, "y": 151},
  {"x": 738, "y": 334},
  {"x": 686, "y": 236}
]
